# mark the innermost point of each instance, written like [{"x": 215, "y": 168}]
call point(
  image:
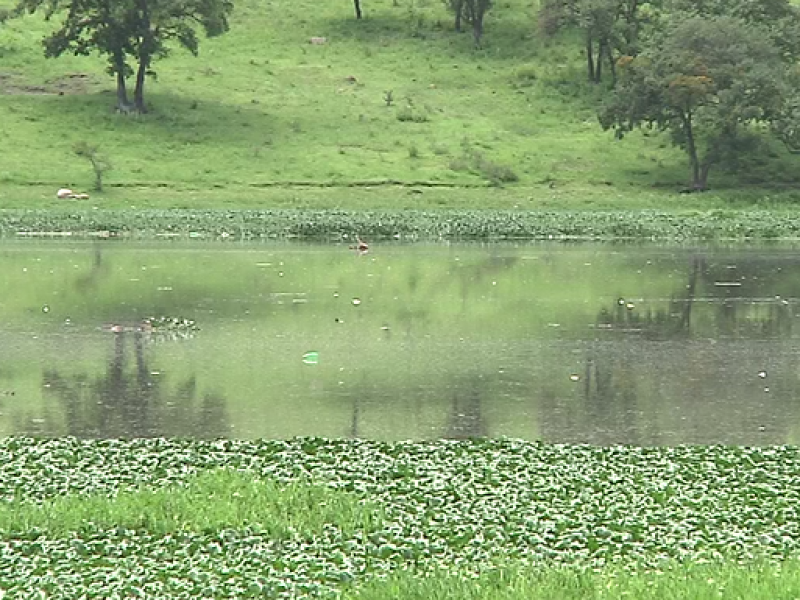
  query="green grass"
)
[
  {"x": 207, "y": 502},
  {"x": 264, "y": 119},
  {"x": 481, "y": 517},
  {"x": 729, "y": 580}
]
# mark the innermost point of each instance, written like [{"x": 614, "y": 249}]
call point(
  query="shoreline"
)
[{"x": 412, "y": 225}]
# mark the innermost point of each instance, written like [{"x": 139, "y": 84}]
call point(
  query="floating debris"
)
[
  {"x": 574, "y": 377},
  {"x": 361, "y": 246},
  {"x": 160, "y": 328},
  {"x": 168, "y": 324},
  {"x": 762, "y": 374},
  {"x": 311, "y": 357},
  {"x": 356, "y": 301}
]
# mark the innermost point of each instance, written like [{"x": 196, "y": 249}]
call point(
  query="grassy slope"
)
[{"x": 262, "y": 118}]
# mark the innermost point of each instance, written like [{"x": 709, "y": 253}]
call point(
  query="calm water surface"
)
[{"x": 561, "y": 342}]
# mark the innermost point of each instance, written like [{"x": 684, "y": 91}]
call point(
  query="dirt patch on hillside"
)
[{"x": 71, "y": 83}]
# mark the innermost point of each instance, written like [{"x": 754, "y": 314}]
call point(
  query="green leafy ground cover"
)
[
  {"x": 409, "y": 225},
  {"x": 462, "y": 508}
]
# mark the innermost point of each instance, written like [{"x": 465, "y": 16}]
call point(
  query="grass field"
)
[{"x": 394, "y": 111}]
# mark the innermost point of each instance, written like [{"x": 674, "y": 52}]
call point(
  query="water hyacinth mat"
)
[{"x": 317, "y": 518}]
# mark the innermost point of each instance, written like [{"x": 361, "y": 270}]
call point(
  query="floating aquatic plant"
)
[
  {"x": 470, "y": 504},
  {"x": 403, "y": 224}
]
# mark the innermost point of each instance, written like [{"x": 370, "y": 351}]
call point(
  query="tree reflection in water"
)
[
  {"x": 661, "y": 370},
  {"x": 126, "y": 402},
  {"x": 466, "y": 417}
]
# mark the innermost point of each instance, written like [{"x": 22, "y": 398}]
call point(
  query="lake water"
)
[{"x": 596, "y": 343}]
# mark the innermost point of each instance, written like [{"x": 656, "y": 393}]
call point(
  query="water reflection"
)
[
  {"x": 466, "y": 417},
  {"x": 569, "y": 343},
  {"x": 128, "y": 402}
]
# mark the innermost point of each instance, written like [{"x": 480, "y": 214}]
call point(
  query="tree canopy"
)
[
  {"x": 704, "y": 80},
  {"x": 140, "y": 31}
]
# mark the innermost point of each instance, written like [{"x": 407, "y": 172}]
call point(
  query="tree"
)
[
  {"x": 598, "y": 19},
  {"x": 611, "y": 28},
  {"x": 704, "y": 80},
  {"x": 92, "y": 25},
  {"x": 471, "y": 11},
  {"x": 122, "y": 30},
  {"x": 357, "y": 5},
  {"x": 157, "y": 22}
]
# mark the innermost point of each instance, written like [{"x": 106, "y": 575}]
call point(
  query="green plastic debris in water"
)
[{"x": 311, "y": 358}]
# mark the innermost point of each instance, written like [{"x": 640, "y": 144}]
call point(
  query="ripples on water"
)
[{"x": 567, "y": 343}]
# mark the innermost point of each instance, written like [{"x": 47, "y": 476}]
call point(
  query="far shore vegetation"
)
[{"x": 306, "y": 106}]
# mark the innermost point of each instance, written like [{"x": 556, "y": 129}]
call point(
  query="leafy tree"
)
[
  {"x": 786, "y": 126},
  {"x": 92, "y": 25},
  {"x": 611, "y": 28},
  {"x": 704, "y": 80},
  {"x": 471, "y": 11},
  {"x": 780, "y": 18},
  {"x": 157, "y": 22},
  {"x": 130, "y": 30},
  {"x": 752, "y": 11},
  {"x": 598, "y": 19}
]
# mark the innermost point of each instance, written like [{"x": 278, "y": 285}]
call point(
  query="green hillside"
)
[{"x": 395, "y": 110}]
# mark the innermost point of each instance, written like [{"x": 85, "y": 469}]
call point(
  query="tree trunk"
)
[
  {"x": 699, "y": 175},
  {"x": 145, "y": 55},
  {"x": 138, "y": 92},
  {"x": 119, "y": 68},
  {"x": 590, "y": 57},
  {"x": 598, "y": 64},
  {"x": 477, "y": 30},
  {"x": 357, "y": 4},
  {"x": 458, "y": 8},
  {"x": 122, "y": 93},
  {"x": 703, "y": 183}
]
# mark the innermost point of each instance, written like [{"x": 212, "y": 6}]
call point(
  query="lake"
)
[{"x": 563, "y": 342}]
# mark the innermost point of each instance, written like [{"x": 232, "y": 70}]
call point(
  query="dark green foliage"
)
[
  {"x": 611, "y": 28},
  {"x": 780, "y": 19},
  {"x": 140, "y": 30},
  {"x": 704, "y": 80}
]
